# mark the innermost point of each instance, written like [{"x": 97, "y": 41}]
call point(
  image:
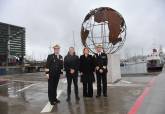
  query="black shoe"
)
[
  {"x": 85, "y": 96},
  {"x": 57, "y": 101},
  {"x": 68, "y": 99},
  {"x": 97, "y": 96},
  {"x": 90, "y": 96},
  {"x": 52, "y": 103},
  {"x": 77, "y": 98},
  {"x": 105, "y": 96}
]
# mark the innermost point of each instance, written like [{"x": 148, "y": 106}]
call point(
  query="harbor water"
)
[{"x": 134, "y": 68}]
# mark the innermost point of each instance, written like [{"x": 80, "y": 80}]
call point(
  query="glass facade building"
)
[{"x": 12, "y": 42}]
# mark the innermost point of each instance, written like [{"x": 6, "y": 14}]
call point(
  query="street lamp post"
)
[{"x": 8, "y": 46}]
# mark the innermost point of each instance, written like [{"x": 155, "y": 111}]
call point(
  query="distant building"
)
[{"x": 12, "y": 44}]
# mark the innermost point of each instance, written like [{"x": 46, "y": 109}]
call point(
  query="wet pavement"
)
[
  {"x": 27, "y": 94},
  {"x": 154, "y": 102}
]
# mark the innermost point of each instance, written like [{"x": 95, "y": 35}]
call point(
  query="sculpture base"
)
[{"x": 114, "y": 72}]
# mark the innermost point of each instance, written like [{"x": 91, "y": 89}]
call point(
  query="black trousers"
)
[
  {"x": 52, "y": 87},
  {"x": 71, "y": 78},
  {"x": 87, "y": 86},
  {"x": 101, "y": 83}
]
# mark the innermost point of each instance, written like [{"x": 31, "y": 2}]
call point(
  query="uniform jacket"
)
[
  {"x": 100, "y": 61},
  {"x": 71, "y": 62},
  {"x": 54, "y": 64}
]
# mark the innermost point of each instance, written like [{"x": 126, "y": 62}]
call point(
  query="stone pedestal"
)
[{"x": 114, "y": 72}]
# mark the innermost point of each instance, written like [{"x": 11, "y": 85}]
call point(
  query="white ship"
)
[{"x": 154, "y": 62}]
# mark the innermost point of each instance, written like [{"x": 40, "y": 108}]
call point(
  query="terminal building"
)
[{"x": 12, "y": 44}]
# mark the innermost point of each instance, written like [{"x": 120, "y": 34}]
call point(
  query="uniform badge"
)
[{"x": 104, "y": 57}]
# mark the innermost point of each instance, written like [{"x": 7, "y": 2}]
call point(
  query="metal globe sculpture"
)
[{"x": 103, "y": 26}]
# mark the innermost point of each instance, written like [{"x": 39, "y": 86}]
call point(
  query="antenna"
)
[
  {"x": 74, "y": 39},
  {"x": 50, "y": 48}
]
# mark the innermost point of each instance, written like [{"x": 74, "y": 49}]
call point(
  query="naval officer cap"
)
[
  {"x": 56, "y": 46},
  {"x": 99, "y": 46}
]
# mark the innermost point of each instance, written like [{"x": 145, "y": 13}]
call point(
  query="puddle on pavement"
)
[
  {"x": 11, "y": 98},
  {"x": 10, "y": 89}
]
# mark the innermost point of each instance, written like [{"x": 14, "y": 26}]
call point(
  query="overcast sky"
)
[{"x": 53, "y": 21}]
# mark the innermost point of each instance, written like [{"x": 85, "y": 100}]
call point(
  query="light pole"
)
[{"x": 8, "y": 46}]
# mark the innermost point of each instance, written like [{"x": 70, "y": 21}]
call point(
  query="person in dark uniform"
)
[
  {"x": 87, "y": 73},
  {"x": 101, "y": 62},
  {"x": 54, "y": 66},
  {"x": 71, "y": 66}
]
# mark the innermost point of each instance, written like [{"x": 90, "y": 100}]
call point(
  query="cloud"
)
[{"x": 52, "y": 21}]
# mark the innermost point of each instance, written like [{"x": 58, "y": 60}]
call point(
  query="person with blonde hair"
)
[{"x": 87, "y": 73}]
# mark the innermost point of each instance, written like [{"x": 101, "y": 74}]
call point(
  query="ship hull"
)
[{"x": 155, "y": 69}]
